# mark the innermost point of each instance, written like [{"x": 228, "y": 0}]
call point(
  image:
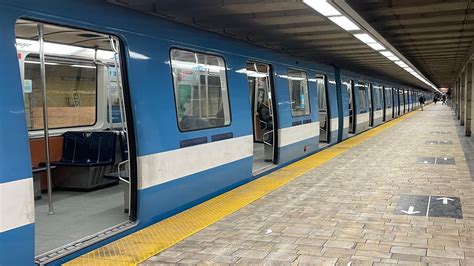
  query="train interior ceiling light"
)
[{"x": 326, "y": 9}]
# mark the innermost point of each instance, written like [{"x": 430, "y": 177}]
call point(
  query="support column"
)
[
  {"x": 462, "y": 95},
  {"x": 456, "y": 98},
  {"x": 468, "y": 115}
]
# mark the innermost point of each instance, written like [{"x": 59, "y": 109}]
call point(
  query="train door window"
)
[
  {"x": 263, "y": 119},
  {"x": 348, "y": 84},
  {"x": 324, "y": 119},
  {"x": 388, "y": 102},
  {"x": 298, "y": 87},
  {"x": 372, "y": 103},
  {"x": 83, "y": 187},
  {"x": 379, "y": 97},
  {"x": 200, "y": 87},
  {"x": 362, "y": 94}
]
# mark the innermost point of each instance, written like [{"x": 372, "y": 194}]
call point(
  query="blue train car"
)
[{"x": 110, "y": 124}]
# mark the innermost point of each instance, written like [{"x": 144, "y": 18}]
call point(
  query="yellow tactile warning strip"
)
[{"x": 139, "y": 246}]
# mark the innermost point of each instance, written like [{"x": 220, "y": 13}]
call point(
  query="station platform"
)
[{"x": 401, "y": 193}]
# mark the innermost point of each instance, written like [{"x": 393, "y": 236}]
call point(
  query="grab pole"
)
[{"x": 45, "y": 116}]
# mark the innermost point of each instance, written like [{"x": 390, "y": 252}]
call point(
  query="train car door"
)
[
  {"x": 361, "y": 96},
  {"x": 81, "y": 145},
  {"x": 372, "y": 104},
  {"x": 324, "y": 117},
  {"x": 401, "y": 103},
  {"x": 396, "y": 106},
  {"x": 349, "y": 85},
  {"x": 263, "y": 115},
  {"x": 388, "y": 103}
]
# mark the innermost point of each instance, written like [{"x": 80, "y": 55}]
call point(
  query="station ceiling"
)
[{"x": 434, "y": 35}]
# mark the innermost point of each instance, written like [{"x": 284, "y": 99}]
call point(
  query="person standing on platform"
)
[{"x": 422, "y": 101}]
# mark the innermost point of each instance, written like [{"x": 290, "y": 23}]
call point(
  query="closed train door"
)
[
  {"x": 324, "y": 117},
  {"x": 263, "y": 115},
  {"x": 396, "y": 106},
  {"x": 348, "y": 85},
  {"x": 371, "y": 105},
  {"x": 361, "y": 96},
  {"x": 401, "y": 102},
  {"x": 388, "y": 103}
]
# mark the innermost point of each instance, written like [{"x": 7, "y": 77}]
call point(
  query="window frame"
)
[
  {"x": 174, "y": 89},
  {"x": 53, "y": 129},
  {"x": 307, "y": 91}
]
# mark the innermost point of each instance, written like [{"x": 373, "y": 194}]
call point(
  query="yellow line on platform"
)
[{"x": 143, "y": 244}]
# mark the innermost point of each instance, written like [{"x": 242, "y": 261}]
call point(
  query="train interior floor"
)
[
  {"x": 405, "y": 195},
  {"x": 259, "y": 162},
  {"x": 76, "y": 215}
]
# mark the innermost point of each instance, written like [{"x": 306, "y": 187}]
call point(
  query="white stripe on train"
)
[{"x": 16, "y": 204}]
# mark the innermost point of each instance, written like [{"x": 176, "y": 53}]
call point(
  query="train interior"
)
[
  {"x": 263, "y": 119},
  {"x": 324, "y": 118},
  {"x": 74, "y": 105}
]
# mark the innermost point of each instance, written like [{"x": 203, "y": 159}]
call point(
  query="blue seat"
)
[{"x": 87, "y": 149}]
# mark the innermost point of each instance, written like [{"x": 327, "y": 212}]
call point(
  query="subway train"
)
[{"x": 113, "y": 120}]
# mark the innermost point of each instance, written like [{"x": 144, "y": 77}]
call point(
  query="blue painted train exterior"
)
[{"x": 147, "y": 41}]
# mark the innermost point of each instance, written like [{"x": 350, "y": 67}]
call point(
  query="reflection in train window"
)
[
  {"x": 298, "y": 87},
  {"x": 200, "y": 88},
  {"x": 72, "y": 91}
]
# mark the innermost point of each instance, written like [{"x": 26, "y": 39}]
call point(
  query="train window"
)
[
  {"x": 200, "y": 87},
  {"x": 321, "y": 88},
  {"x": 298, "y": 87},
  {"x": 72, "y": 91},
  {"x": 362, "y": 90},
  {"x": 388, "y": 97}
]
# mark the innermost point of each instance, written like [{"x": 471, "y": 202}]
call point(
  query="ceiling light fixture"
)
[
  {"x": 345, "y": 23},
  {"x": 364, "y": 37},
  {"x": 376, "y": 46},
  {"x": 322, "y": 7}
]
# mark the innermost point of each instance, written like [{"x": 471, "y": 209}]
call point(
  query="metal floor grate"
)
[{"x": 82, "y": 243}]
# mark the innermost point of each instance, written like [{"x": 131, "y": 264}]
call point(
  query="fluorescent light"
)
[
  {"x": 364, "y": 37},
  {"x": 401, "y": 63},
  {"x": 323, "y": 7},
  {"x": 387, "y": 53},
  {"x": 83, "y": 66},
  {"x": 376, "y": 46},
  {"x": 393, "y": 58},
  {"x": 38, "y": 62},
  {"x": 344, "y": 23}
]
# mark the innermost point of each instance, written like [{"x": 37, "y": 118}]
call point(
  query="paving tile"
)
[
  {"x": 405, "y": 257},
  {"x": 316, "y": 260},
  {"x": 281, "y": 256},
  {"x": 252, "y": 254},
  {"x": 449, "y": 254},
  {"x": 340, "y": 244},
  {"x": 409, "y": 250},
  {"x": 373, "y": 247}
]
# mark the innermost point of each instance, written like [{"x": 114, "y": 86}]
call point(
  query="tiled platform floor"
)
[{"x": 342, "y": 213}]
